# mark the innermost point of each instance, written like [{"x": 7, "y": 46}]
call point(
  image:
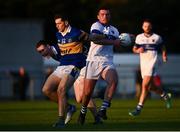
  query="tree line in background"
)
[{"x": 127, "y": 15}]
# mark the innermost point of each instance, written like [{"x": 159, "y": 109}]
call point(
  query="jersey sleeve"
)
[
  {"x": 137, "y": 41},
  {"x": 110, "y": 32},
  {"x": 96, "y": 28}
]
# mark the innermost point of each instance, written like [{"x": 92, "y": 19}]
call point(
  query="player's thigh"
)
[
  {"x": 147, "y": 82},
  {"x": 51, "y": 83},
  {"x": 89, "y": 85},
  {"x": 148, "y": 71},
  {"x": 79, "y": 85},
  {"x": 93, "y": 70},
  {"x": 110, "y": 75},
  {"x": 66, "y": 83},
  {"x": 78, "y": 89}
]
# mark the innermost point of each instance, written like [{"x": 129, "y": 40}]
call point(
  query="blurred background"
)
[{"x": 24, "y": 22}]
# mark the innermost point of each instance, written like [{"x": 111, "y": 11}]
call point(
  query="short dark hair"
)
[
  {"x": 147, "y": 20},
  {"x": 42, "y": 42},
  {"x": 103, "y": 8},
  {"x": 62, "y": 16}
]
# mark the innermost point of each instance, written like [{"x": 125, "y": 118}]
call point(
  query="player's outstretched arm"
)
[
  {"x": 102, "y": 39},
  {"x": 84, "y": 36},
  {"x": 96, "y": 37},
  {"x": 164, "y": 53}
]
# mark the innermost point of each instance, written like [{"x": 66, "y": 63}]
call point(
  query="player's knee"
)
[
  {"x": 146, "y": 87},
  {"x": 46, "y": 91},
  {"x": 61, "y": 91}
]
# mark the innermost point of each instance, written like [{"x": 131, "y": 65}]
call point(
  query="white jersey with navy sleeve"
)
[
  {"x": 149, "y": 58},
  {"x": 102, "y": 52}
]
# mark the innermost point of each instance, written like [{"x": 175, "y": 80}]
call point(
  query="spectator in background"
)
[{"x": 20, "y": 83}]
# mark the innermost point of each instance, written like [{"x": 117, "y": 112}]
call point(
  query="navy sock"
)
[
  {"x": 105, "y": 105},
  {"x": 83, "y": 110}
]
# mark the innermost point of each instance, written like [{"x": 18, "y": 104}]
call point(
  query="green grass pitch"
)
[{"x": 40, "y": 115}]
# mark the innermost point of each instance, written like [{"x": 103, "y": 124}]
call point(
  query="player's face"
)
[
  {"x": 147, "y": 27},
  {"x": 61, "y": 25},
  {"x": 43, "y": 50},
  {"x": 104, "y": 16}
]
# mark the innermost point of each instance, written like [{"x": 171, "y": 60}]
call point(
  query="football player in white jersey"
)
[
  {"x": 147, "y": 45},
  {"x": 100, "y": 63}
]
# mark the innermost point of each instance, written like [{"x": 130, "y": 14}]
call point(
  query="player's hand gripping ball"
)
[{"x": 126, "y": 39}]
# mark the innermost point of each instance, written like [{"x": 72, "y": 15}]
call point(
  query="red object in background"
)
[{"x": 157, "y": 81}]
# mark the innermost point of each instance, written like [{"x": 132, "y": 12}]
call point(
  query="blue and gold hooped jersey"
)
[{"x": 71, "y": 48}]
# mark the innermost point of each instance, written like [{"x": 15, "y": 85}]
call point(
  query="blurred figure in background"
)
[{"x": 21, "y": 81}]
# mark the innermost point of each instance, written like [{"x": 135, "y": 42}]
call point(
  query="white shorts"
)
[
  {"x": 148, "y": 71},
  {"x": 82, "y": 72},
  {"x": 149, "y": 63},
  {"x": 95, "y": 68},
  {"x": 81, "y": 77},
  {"x": 66, "y": 70}
]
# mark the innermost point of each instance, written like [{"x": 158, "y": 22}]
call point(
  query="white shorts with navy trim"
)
[
  {"x": 95, "y": 68},
  {"x": 60, "y": 71}
]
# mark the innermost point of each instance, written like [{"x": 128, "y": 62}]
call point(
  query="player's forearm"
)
[
  {"x": 164, "y": 51},
  {"x": 164, "y": 54},
  {"x": 135, "y": 50},
  {"x": 104, "y": 42},
  {"x": 103, "y": 39},
  {"x": 96, "y": 37}
]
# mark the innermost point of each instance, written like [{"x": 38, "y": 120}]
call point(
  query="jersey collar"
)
[
  {"x": 105, "y": 25},
  {"x": 67, "y": 31}
]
